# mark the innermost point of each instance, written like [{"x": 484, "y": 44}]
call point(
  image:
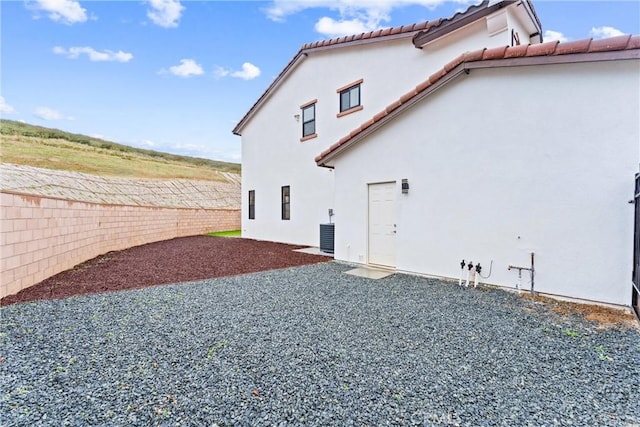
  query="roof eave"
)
[
  {"x": 458, "y": 21},
  {"x": 574, "y": 58},
  {"x": 359, "y": 42}
]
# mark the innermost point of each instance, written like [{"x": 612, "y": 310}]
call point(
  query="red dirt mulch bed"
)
[{"x": 182, "y": 259}]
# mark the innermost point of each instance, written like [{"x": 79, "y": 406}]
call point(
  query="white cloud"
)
[
  {"x": 356, "y": 16},
  {"x": 333, "y": 28},
  {"x": 47, "y": 113},
  {"x": 64, "y": 11},
  {"x": 6, "y": 108},
  {"x": 248, "y": 72},
  {"x": 94, "y": 55},
  {"x": 165, "y": 13},
  {"x": 605, "y": 32},
  {"x": 187, "y": 68},
  {"x": 551, "y": 35}
]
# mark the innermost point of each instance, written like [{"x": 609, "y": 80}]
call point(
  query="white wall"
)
[
  {"x": 505, "y": 162},
  {"x": 272, "y": 154}
]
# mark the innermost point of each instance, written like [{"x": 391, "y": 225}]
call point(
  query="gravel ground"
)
[{"x": 311, "y": 346}]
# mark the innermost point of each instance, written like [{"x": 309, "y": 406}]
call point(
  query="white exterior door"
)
[{"x": 382, "y": 224}]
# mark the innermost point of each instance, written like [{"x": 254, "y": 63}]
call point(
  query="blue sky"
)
[{"x": 177, "y": 76}]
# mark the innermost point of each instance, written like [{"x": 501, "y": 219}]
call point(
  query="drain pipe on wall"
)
[{"x": 531, "y": 270}]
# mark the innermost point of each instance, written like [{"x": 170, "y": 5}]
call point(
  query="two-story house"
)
[
  {"x": 328, "y": 89},
  {"x": 519, "y": 158},
  {"x": 460, "y": 139}
]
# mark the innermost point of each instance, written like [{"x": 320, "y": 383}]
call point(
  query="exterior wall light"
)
[{"x": 405, "y": 186}]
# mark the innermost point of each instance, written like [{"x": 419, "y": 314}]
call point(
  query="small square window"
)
[
  {"x": 252, "y": 204},
  {"x": 309, "y": 120},
  {"x": 286, "y": 203},
  {"x": 350, "y": 98}
]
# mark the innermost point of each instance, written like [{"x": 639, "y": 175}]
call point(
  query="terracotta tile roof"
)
[
  {"x": 372, "y": 36},
  {"x": 545, "y": 53},
  {"x": 459, "y": 16},
  {"x": 471, "y": 14}
]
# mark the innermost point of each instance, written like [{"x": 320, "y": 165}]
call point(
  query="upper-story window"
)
[
  {"x": 308, "y": 120},
  {"x": 350, "y": 98}
]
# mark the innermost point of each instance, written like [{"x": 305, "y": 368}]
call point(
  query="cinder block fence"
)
[{"x": 41, "y": 236}]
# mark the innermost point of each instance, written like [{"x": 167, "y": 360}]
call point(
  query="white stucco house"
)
[
  {"x": 477, "y": 143},
  {"x": 331, "y": 87},
  {"x": 506, "y": 152}
]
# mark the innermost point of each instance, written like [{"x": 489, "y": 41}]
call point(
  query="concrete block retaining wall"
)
[{"x": 42, "y": 236}]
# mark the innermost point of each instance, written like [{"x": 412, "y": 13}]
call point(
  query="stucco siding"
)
[
  {"x": 505, "y": 162},
  {"x": 272, "y": 154}
]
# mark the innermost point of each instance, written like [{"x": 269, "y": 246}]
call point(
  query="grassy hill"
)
[{"x": 30, "y": 145}]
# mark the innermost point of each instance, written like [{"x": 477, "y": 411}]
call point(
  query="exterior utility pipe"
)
[
  {"x": 531, "y": 270},
  {"x": 533, "y": 273},
  {"x": 472, "y": 273},
  {"x": 476, "y": 273}
]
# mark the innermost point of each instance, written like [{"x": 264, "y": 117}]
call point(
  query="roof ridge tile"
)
[
  {"x": 437, "y": 75},
  {"x": 367, "y": 123},
  {"x": 380, "y": 115},
  {"x": 542, "y": 49},
  {"x": 611, "y": 43},
  {"x": 475, "y": 55},
  {"x": 516, "y": 51},
  {"x": 454, "y": 63},
  {"x": 423, "y": 86},
  {"x": 574, "y": 46},
  {"x": 394, "y": 105},
  {"x": 407, "y": 96},
  {"x": 494, "y": 53}
]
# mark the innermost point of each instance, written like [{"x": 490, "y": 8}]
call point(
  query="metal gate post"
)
[{"x": 635, "y": 288}]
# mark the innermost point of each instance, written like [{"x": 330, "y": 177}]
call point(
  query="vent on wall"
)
[{"x": 327, "y": 234}]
